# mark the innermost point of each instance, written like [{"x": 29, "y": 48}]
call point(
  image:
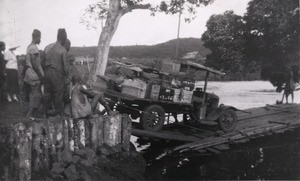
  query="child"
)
[{"x": 80, "y": 106}]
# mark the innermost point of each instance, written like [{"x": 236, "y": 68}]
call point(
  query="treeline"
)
[
  {"x": 261, "y": 44},
  {"x": 162, "y": 50},
  {"x": 266, "y": 38}
]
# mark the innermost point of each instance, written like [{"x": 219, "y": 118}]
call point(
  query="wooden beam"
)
[{"x": 168, "y": 135}]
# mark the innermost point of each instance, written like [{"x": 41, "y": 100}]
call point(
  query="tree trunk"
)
[{"x": 114, "y": 15}]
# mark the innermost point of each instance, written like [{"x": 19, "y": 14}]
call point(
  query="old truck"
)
[{"x": 155, "y": 110}]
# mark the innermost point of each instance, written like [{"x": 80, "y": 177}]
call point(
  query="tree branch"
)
[{"x": 136, "y": 6}]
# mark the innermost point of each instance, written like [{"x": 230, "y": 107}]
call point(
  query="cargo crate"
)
[
  {"x": 177, "y": 95},
  {"x": 133, "y": 91},
  {"x": 154, "y": 92},
  {"x": 187, "y": 96},
  {"x": 166, "y": 94},
  {"x": 135, "y": 87}
]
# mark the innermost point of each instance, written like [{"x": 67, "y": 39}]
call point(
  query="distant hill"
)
[{"x": 162, "y": 50}]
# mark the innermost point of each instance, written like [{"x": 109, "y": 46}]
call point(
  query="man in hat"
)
[
  {"x": 56, "y": 69},
  {"x": 34, "y": 74},
  {"x": 2, "y": 71},
  {"x": 12, "y": 74}
]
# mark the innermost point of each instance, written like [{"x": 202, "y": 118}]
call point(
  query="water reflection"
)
[{"x": 273, "y": 157}]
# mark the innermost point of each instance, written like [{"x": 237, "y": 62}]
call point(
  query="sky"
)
[{"x": 18, "y": 18}]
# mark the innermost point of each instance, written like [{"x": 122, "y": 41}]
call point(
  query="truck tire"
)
[
  {"x": 227, "y": 120},
  {"x": 152, "y": 118}
]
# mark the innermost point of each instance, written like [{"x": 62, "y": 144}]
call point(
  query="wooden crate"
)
[
  {"x": 155, "y": 91},
  {"x": 135, "y": 87},
  {"x": 166, "y": 94},
  {"x": 177, "y": 95},
  {"x": 187, "y": 96}
]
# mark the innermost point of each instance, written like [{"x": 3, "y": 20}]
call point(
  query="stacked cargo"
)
[{"x": 159, "y": 86}]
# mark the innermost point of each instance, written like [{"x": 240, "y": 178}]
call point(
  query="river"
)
[{"x": 273, "y": 157}]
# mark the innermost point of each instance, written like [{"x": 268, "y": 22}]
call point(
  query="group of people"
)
[{"x": 54, "y": 69}]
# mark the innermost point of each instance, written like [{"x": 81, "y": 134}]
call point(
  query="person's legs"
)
[
  {"x": 58, "y": 87},
  {"x": 99, "y": 97},
  {"x": 102, "y": 101},
  {"x": 95, "y": 101},
  {"x": 35, "y": 100},
  {"x": 2, "y": 97},
  {"x": 48, "y": 91},
  {"x": 283, "y": 96},
  {"x": 15, "y": 85},
  {"x": 9, "y": 88}
]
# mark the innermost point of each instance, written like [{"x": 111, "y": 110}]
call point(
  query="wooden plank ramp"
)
[{"x": 263, "y": 121}]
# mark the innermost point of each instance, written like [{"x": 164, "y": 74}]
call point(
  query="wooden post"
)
[
  {"x": 44, "y": 142},
  {"x": 66, "y": 133},
  {"x": 87, "y": 129},
  {"x": 112, "y": 130},
  {"x": 23, "y": 145},
  {"x": 81, "y": 133},
  {"x": 96, "y": 132},
  {"x": 59, "y": 134},
  {"x": 7, "y": 152},
  {"x": 126, "y": 132},
  {"x": 51, "y": 142},
  {"x": 71, "y": 131},
  {"x": 36, "y": 146}
]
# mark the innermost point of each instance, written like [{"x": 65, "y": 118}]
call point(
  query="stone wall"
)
[{"x": 27, "y": 149}]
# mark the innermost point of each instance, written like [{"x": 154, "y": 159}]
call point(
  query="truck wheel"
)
[
  {"x": 227, "y": 121},
  {"x": 153, "y": 118}
]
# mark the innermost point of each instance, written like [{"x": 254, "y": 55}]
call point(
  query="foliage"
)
[
  {"x": 268, "y": 35},
  {"x": 273, "y": 36},
  {"x": 225, "y": 38},
  {"x": 97, "y": 12}
]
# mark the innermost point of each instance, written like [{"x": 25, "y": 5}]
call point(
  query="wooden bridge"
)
[{"x": 259, "y": 122}]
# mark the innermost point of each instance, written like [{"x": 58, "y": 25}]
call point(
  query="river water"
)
[{"x": 273, "y": 157}]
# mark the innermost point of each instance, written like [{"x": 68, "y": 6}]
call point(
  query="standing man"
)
[
  {"x": 56, "y": 69},
  {"x": 289, "y": 85},
  {"x": 12, "y": 74},
  {"x": 34, "y": 74},
  {"x": 2, "y": 71}
]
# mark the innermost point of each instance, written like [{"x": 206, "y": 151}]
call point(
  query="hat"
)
[
  {"x": 61, "y": 34},
  {"x": 14, "y": 48}
]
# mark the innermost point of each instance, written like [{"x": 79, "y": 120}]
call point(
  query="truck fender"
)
[{"x": 216, "y": 113}]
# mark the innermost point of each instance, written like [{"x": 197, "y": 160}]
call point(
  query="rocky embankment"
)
[{"x": 63, "y": 148}]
